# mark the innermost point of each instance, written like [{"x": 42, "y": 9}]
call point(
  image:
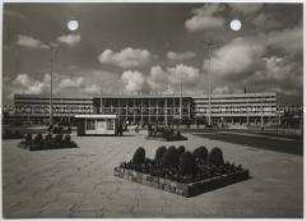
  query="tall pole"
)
[
  {"x": 209, "y": 45},
  {"x": 181, "y": 96},
  {"x": 51, "y": 83},
  {"x": 209, "y": 88}
]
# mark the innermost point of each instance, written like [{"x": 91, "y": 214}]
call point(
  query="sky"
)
[{"x": 145, "y": 47}]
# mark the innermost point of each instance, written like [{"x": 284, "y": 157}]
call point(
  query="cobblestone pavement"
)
[{"x": 80, "y": 183}]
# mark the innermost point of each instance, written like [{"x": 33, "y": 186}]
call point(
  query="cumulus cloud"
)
[
  {"x": 188, "y": 74},
  {"x": 180, "y": 56},
  {"x": 162, "y": 78},
  {"x": 126, "y": 58},
  {"x": 27, "y": 85},
  {"x": 291, "y": 40},
  {"x": 221, "y": 90},
  {"x": 158, "y": 78},
  {"x": 70, "y": 39},
  {"x": 246, "y": 8},
  {"x": 206, "y": 18},
  {"x": 235, "y": 57},
  {"x": 92, "y": 89},
  {"x": 22, "y": 79},
  {"x": 30, "y": 42},
  {"x": 133, "y": 80},
  {"x": 279, "y": 69},
  {"x": 71, "y": 82},
  {"x": 199, "y": 23}
]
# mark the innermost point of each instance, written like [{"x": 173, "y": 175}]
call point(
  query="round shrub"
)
[
  {"x": 58, "y": 137},
  {"x": 48, "y": 136},
  {"x": 216, "y": 157},
  {"x": 188, "y": 164},
  {"x": 38, "y": 138},
  {"x": 200, "y": 154},
  {"x": 178, "y": 134},
  {"x": 171, "y": 157},
  {"x": 17, "y": 134},
  {"x": 28, "y": 137},
  {"x": 139, "y": 156},
  {"x": 159, "y": 153},
  {"x": 67, "y": 138},
  {"x": 58, "y": 140},
  {"x": 181, "y": 150},
  {"x": 49, "y": 141}
]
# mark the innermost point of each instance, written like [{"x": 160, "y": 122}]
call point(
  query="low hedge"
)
[{"x": 49, "y": 141}]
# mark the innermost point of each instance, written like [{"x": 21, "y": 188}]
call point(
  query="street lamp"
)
[
  {"x": 181, "y": 96},
  {"x": 72, "y": 25},
  {"x": 210, "y": 45}
]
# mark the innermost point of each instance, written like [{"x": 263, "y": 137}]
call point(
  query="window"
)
[
  {"x": 110, "y": 124},
  {"x": 90, "y": 124}
]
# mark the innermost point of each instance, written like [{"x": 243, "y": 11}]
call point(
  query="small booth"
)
[{"x": 96, "y": 124}]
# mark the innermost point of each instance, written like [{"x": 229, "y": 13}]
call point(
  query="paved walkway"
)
[{"x": 80, "y": 183}]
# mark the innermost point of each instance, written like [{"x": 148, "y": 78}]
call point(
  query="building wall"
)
[
  {"x": 35, "y": 105},
  {"x": 244, "y": 107},
  {"x": 146, "y": 109},
  {"x": 252, "y": 107}
]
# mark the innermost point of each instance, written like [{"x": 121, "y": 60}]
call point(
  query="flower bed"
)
[
  {"x": 47, "y": 141},
  {"x": 8, "y": 134},
  {"x": 165, "y": 134},
  {"x": 183, "y": 173}
]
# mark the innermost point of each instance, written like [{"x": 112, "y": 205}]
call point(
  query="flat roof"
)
[{"x": 96, "y": 116}]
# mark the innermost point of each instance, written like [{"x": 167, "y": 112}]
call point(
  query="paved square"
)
[{"x": 80, "y": 183}]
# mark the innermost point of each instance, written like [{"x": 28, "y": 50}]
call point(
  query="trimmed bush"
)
[
  {"x": 17, "y": 134},
  {"x": 171, "y": 157},
  {"x": 178, "y": 134},
  {"x": 48, "y": 137},
  {"x": 28, "y": 138},
  {"x": 159, "y": 153},
  {"x": 215, "y": 157},
  {"x": 58, "y": 140},
  {"x": 188, "y": 164},
  {"x": 181, "y": 150},
  {"x": 38, "y": 138},
  {"x": 139, "y": 156},
  {"x": 67, "y": 138},
  {"x": 200, "y": 154}
]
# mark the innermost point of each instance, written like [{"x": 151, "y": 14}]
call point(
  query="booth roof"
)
[{"x": 96, "y": 116}]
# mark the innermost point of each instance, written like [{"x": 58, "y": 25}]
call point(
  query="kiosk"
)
[{"x": 96, "y": 125}]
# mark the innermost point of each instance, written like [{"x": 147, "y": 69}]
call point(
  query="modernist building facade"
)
[
  {"x": 238, "y": 108},
  {"x": 147, "y": 109},
  {"x": 38, "y": 107},
  {"x": 253, "y": 108}
]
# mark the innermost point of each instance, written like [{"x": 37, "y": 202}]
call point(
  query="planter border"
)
[
  {"x": 31, "y": 148},
  {"x": 166, "y": 139},
  {"x": 182, "y": 189}
]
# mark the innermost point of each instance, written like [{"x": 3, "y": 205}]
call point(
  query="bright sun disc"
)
[
  {"x": 235, "y": 25},
  {"x": 73, "y": 25}
]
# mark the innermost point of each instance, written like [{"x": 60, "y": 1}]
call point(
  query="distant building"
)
[
  {"x": 37, "y": 107},
  {"x": 244, "y": 108},
  {"x": 238, "y": 108},
  {"x": 146, "y": 109}
]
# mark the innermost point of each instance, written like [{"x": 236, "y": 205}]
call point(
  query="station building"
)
[
  {"x": 244, "y": 108},
  {"x": 147, "y": 109},
  {"x": 37, "y": 107}
]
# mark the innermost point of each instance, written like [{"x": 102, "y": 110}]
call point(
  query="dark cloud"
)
[{"x": 141, "y": 47}]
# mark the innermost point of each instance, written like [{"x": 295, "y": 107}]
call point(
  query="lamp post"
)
[
  {"x": 72, "y": 25},
  {"x": 210, "y": 45},
  {"x": 53, "y": 49},
  {"x": 181, "y": 97}
]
